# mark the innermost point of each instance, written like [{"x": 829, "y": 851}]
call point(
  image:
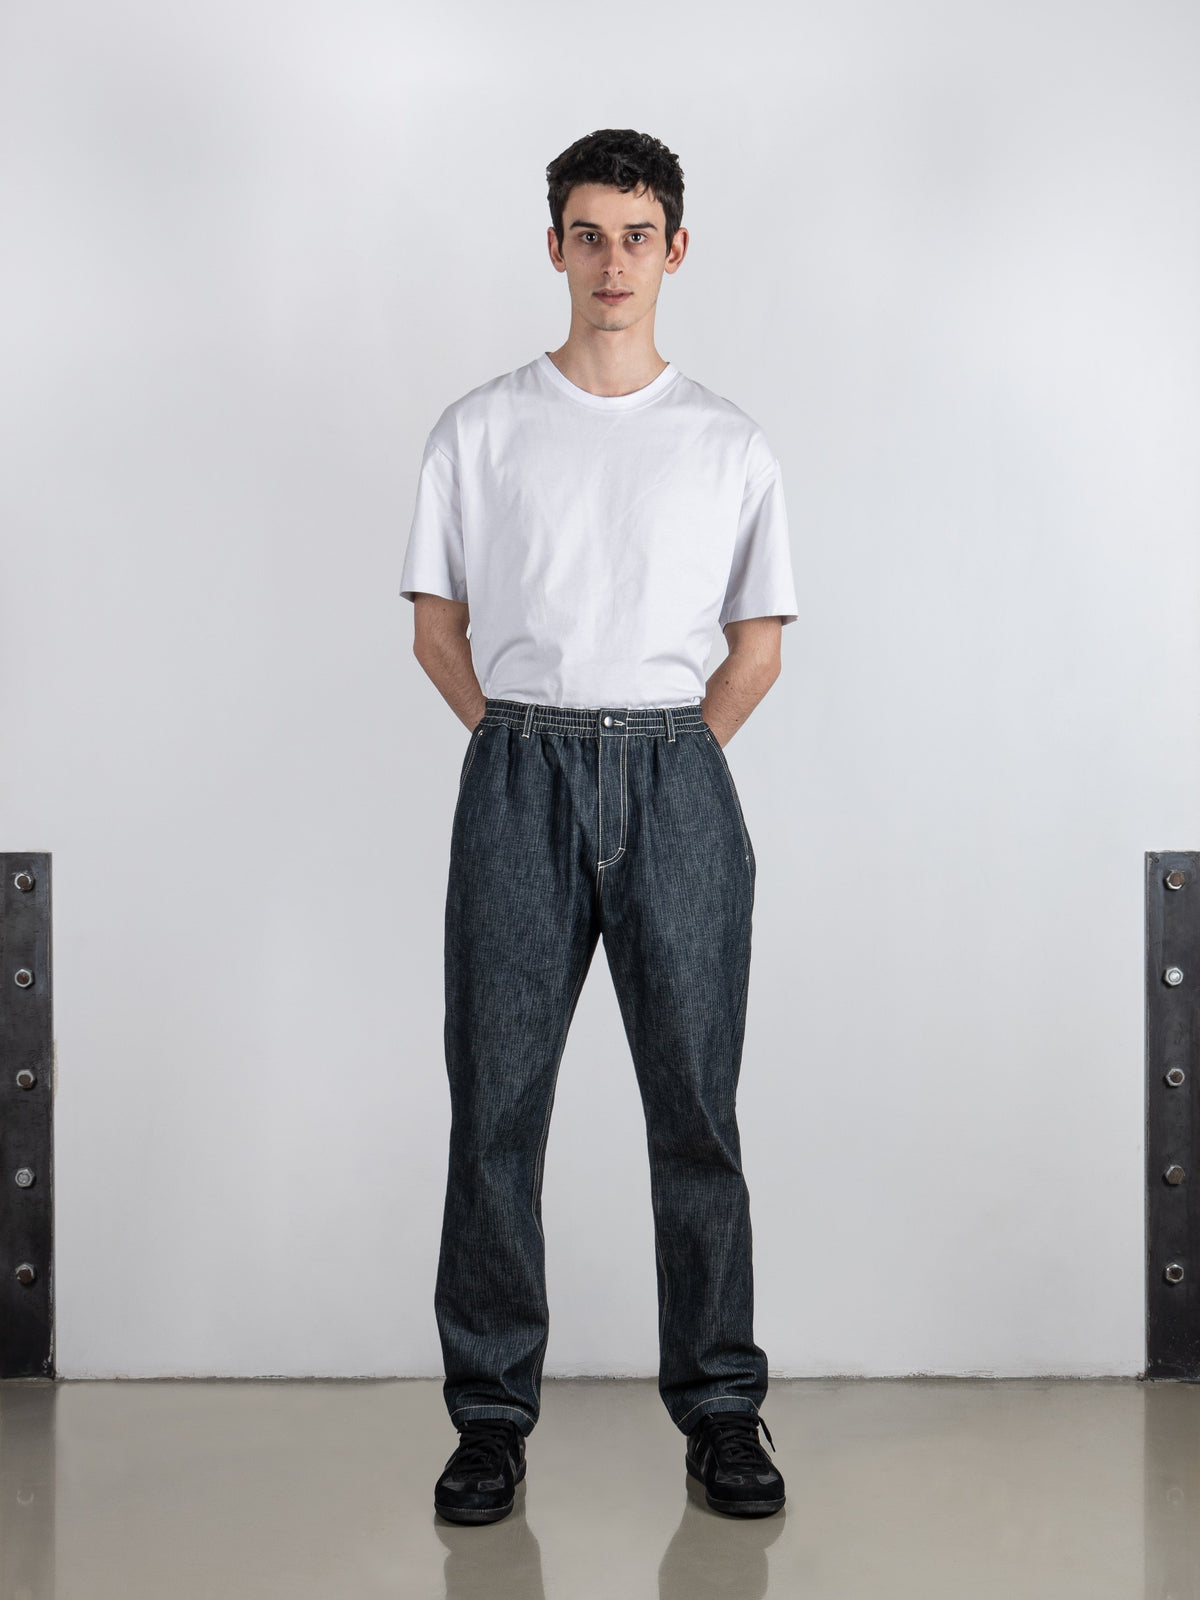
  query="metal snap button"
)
[{"x": 608, "y": 722}]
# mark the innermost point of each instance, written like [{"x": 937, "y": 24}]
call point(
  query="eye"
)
[{"x": 637, "y": 235}]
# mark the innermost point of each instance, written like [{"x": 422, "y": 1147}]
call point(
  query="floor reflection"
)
[
  {"x": 715, "y": 1557},
  {"x": 500, "y": 1558},
  {"x": 925, "y": 1488}
]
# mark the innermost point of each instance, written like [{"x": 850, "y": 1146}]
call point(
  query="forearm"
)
[
  {"x": 734, "y": 689},
  {"x": 446, "y": 658}
]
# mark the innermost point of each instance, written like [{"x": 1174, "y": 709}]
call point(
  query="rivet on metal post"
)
[
  {"x": 24, "y": 880},
  {"x": 1173, "y": 975},
  {"x": 1175, "y": 880},
  {"x": 1174, "y": 1076},
  {"x": 1173, "y": 1272},
  {"x": 1175, "y": 1173}
]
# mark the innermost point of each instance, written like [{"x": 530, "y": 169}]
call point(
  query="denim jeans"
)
[{"x": 571, "y": 825}]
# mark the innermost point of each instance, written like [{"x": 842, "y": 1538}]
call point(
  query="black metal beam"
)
[
  {"x": 26, "y": 1118},
  {"x": 1172, "y": 1114}
]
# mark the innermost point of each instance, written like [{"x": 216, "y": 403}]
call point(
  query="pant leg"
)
[
  {"x": 676, "y": 921},
  {"x": 520, "y": 932}
]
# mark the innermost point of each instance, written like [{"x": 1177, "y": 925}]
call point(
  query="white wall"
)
[{"x": 947, "y": 255}]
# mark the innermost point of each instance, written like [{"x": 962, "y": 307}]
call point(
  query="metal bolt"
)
[
  {"x": 24, "y": 880},
  {"x": 1173, "y": 1272},
  {"x": 1175, "y": 1173},
  {"x": 23, "y": 1178},
  {"x": 1175, "y": 880},
  {"x": 1175, "y": 1077},
  {"x": 26, "y": 1272},
  {"x": 23, "y": 977},
  {"x": 1173, "y": 975}
]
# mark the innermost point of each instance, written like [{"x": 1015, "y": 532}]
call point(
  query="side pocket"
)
[
  {"x": 747, "y": 847},
  {"x": 473, "y": 744},
  {"x": 476, "y": 738}
]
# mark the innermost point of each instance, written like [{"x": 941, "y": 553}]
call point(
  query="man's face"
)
[{"x": 614, "y": 254}]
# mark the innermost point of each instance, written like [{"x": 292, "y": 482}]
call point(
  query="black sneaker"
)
[
  {"x": 724, "y": 1453},
  {"x": 478, "y": 1481}
]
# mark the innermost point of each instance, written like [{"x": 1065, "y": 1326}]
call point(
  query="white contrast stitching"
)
[
  {"x": 724, "y": 764},
  {"x": 517, "y": 1409},
  {"x": 753, "y": 1407}
]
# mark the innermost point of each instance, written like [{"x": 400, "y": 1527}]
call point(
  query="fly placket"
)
[{"x": 612, "y": 785}]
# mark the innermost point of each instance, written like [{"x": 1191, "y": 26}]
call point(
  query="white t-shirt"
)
[{"x": 598, "y": 539}]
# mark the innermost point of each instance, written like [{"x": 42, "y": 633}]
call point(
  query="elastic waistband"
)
[{"x": 599, "y": 722}]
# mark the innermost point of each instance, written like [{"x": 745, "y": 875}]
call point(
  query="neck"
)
[{"x": 608, "y": 363}]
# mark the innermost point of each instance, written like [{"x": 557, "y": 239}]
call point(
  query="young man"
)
[{"x": 593, "y": 515}]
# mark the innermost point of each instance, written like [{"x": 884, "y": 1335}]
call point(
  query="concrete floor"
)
[{"x": 929, "y": 1488}]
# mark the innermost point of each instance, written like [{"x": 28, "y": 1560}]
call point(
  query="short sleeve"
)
[
  {"x": 761, "y": 583},
  {"x": 434, "y": 562}
]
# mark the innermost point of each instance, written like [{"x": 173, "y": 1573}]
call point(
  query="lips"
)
[{"x": 621, "y": 294}]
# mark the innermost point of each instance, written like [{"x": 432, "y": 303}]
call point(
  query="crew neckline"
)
[{"x": 607, "y": 402}]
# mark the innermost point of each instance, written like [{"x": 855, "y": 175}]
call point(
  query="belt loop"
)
[
  {"x": 670, "y": 724},
  {"x": 528, "y": 722}
]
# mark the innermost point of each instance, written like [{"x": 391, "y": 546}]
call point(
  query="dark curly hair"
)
[{"x": 627, "y": 160}]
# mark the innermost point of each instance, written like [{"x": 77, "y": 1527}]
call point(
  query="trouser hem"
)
[
  {"x": 524, "y": 1421},
  {"x": 691, "y": 1419}
]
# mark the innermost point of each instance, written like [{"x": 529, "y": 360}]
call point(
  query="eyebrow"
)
[{"x": 641, "y": 226}]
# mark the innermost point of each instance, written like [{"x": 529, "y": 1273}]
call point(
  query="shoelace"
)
[
  {"x": 735, "y": 1437},
  {"x": 484, "y": 1443}
]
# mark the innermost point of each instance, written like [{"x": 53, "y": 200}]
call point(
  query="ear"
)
[
  {"x": 556, "y": 259},
  {"x": 677, "y": 251}
]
